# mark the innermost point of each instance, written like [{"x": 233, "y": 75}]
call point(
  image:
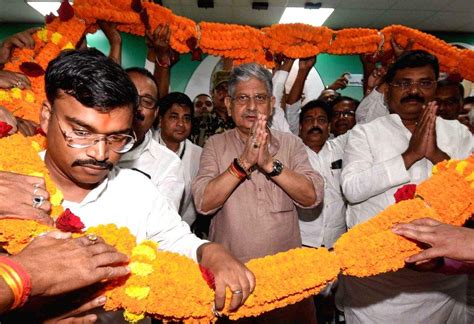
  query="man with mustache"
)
[
  {"x": 343, "y": 115},
  {"x": 88, "y": 116},
  {"x": 379, "y": 158},
  {"x": 250, "y": 179},
  {"x": 322, "y": 225},
  {"x": 148, "y": 156}
]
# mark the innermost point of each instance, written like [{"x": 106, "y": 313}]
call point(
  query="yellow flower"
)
[
  {"x": 68, "y": 46},
  {"x": 56, "y": 38},
  {"x": 141, "y": 269},
  {"x": 30, "y": 97},
  {"x": 42, "y": 34},
  {"x": 145, "y": 251},
  {"x": 133, "y": 318},
  {"x": 16, "y": 93},
  {"x": 461, "y": 166},
  {"x": 137, "y": 292}
]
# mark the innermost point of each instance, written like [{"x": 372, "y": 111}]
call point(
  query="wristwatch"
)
[{"x": 277, "y": 168}]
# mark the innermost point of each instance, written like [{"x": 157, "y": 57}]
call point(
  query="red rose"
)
[
  {"x": 4, "y": 129},
  {"x": 65, "y": 11},
  {"x": 196, "y": 55},
  {"x": 208, "y": 276},
  {"x": 68, "y": 222},
  {"x": 49, "y": 18},
  {"x": 406, "y": 192}
]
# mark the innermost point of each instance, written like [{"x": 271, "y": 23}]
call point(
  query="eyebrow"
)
[{"x": 78, "y": 122}]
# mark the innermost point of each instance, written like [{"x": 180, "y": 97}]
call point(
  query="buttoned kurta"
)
[{"x": 258, "y": 218}]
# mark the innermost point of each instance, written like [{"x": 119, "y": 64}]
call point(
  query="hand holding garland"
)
[
  {"x": 114, "y": 38},
  {"x": 23, "y": 39}
]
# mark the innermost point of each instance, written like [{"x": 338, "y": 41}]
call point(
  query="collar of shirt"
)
[{"x": 136, "y": 152}]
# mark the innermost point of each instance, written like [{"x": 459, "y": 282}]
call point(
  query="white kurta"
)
[
  {"x": 190, "y": 155},
  {"x": 322, "y": 226},
  {"x": 161, "y": 164},
  {"x": 373, "y": 170},
  {"x": 279, "y": 121},
  {"x": 371, "y": 108}
]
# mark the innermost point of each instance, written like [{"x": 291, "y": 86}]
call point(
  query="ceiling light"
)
[
  {"x": 315, "y": 17},
  {"x": 45, "y": 7}
]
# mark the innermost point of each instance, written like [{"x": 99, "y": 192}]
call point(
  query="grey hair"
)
[{"x": 245, "y": 72}]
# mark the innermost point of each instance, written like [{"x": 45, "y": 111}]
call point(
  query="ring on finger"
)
[
  {"x": 236, "y": 292},
  {"x": 38, "y": 201},
  {"x": 92, "y": 237}
]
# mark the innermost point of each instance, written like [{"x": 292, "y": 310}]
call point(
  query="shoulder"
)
[
  {"x": 162, "y": 153},
  {"x": 286, "y": 137},
  {"x": 193, "y": 148}
]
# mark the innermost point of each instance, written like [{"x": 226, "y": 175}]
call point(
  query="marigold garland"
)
[
  {"x": 371, "y": 248},
  {"x": 170, "y": 286}
]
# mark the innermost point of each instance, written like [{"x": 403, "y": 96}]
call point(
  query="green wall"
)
[{"x": 330, "y": 67}]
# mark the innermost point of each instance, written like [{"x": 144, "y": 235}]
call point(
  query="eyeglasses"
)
[
  {"x": 408, "y": 84},
  {"x": 147, "y": 102},
  {"x": 119, "y": 143},
  {"x": 343, "y": 114},
  {"x": 206, "y": 103},
  {"x": 245, "y": 100}
]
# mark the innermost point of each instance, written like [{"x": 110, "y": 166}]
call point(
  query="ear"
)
[
  {"x": 273, "y": 100},
  {"x": 228, "y": 104},
  {"x": 45, "y": 115}
]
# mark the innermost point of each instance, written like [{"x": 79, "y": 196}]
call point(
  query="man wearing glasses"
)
[
  {"x": 379, "y": 158},
  {"x": 251, "y": 179},
  {"x": 88, "y": 115},
  {"x": 148, "y": 156},
  {"x": 343, "y": 115}
]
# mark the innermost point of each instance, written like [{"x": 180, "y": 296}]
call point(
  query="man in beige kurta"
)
[{"x": 251, "y": 178}]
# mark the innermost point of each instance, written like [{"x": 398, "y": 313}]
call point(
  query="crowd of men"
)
[{"x": 250, "y": 169}]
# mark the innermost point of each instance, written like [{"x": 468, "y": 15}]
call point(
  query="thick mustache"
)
[
  {"x": 92, "y": 162},
  {"x": 315, "y": 130},
  {"x": 250, "y": 114},
  {"x": 413, "y": 97}
]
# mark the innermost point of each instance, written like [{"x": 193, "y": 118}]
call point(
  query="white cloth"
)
[
  {"x": 293, "y": 116},
  {"x": 322, "y": 225},
  {"x": 373, "y": 170},
  {"x": 279, "y": 121},
  {"x": 371, "y": 107},
  {"x": 161, "y": 164},
  {"x": 190, "y": 155}
]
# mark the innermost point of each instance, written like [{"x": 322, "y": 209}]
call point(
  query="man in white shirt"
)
[
  {"x": 160, "y": 164},
  {"x": 379, "y": 158},
  {"x": 322, "y": 226},
  {"x": 176, "y": 115},
  {"x": 343, "y": 115},
  {"x": 88, "y": 115}
]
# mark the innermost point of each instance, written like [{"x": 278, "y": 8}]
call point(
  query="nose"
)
[{"x": 99, "y": 151}]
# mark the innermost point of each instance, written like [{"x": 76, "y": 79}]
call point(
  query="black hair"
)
[
  {"x": 93, "y": 79},
  {"x": 317, "y": 103},
  {"x": 449, "y": 83},
  {"x": 142, "y": 71},
  {"x": 469, "y": 100},
  {"x": 175, "y": 98},
  {"x": 344, "y": 98},
  {"x": 412, "y": 59}
]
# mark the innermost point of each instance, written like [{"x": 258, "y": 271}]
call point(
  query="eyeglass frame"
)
[
  {"x": 344, "y": 114},
  {"x": 411, "y": 83},
  {"x": 254, "y": 98},
  {"x": 95, "y": 140},
  {"x": 155, "y": 105}
]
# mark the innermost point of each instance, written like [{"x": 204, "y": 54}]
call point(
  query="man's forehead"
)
[
  {"x": 448, "y": 90},
  {"x": 316, "y": 111},
  {"x": 344, "y": 104},
  {"x": 415, "y": 72}
]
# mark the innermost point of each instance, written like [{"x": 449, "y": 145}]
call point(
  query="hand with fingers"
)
[
  {"x": 398, "y": 49},
  {"x": 340, "y": 83},
  {"x": 305, "y": 64},
  {"x": 76, "y": 316},
  {"x": 28, "y": 197},
  {"x": 27, "y": 127},
  {"x": 264, "y": 160},
  {"x": 10, "y": 80},
  {"x": 68, "y": 264},
  {"x": 159, "y": 41},
  {"x": 23, "y": 39},
  {"x": 444, "y": 240},
  {"x": 7, "y": 117},
  {"x": 228, "y": 272},
  {"x": 433, "y": 152},
  {"x": 375, "y": 78},
  {"x": 249, "y": 156}
]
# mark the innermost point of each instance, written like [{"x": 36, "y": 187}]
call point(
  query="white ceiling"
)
[{"x": 434, "y": 15}]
